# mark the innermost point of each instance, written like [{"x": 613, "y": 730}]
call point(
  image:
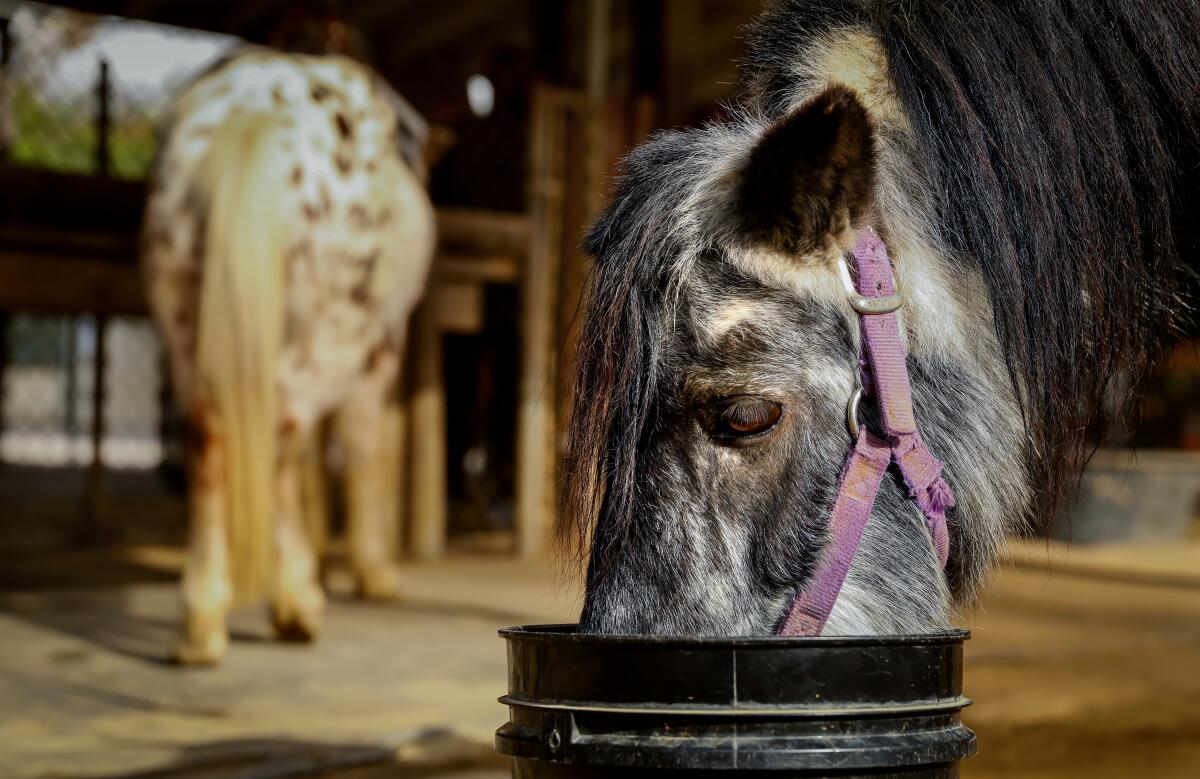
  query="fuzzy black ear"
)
[{"x": 810, "y": 175}]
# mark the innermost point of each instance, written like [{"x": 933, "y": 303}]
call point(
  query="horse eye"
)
[{"x": 746, "y": 416}]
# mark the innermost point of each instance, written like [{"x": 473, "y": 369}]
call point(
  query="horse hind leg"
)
[
  {"x": 297, "y": 599},
  {"x": 369, "y": 425},
  {"x": 207, "y": 590}
]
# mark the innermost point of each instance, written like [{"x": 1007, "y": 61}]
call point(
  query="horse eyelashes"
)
[{"x": 749, "y": 415}]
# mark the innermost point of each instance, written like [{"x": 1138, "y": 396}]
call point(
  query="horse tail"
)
[{"x": 241, "y": 330}]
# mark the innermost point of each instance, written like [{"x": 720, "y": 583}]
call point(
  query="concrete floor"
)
[{"x": 1083, "y": 666}]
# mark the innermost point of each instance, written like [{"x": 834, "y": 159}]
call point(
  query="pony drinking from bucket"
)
[
  {"x": 287, "y": 238},
  {"x": 1023, "y": 176}
]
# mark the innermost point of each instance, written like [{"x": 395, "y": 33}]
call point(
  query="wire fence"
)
[
  {"x": 86, "y": 95},
  {"x": 50, "y": 399}
]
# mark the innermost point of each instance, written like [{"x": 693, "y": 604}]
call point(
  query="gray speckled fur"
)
[{"x": 715, "y": 539}]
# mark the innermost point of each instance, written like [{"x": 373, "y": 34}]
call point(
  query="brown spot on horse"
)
[
  {"x": 376, "y": 354},
  {"x": 358, "y": 216}
]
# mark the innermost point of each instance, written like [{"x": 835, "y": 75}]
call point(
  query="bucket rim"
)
[{"x": 564, "y": 632}]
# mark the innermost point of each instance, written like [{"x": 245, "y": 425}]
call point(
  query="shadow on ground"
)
[{"x": 431, "y": 752}]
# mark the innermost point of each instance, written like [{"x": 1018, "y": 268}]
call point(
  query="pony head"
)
[{"x": 718, "y": 353}]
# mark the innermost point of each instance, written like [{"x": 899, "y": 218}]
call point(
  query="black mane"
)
[{"x": 1064, "y": 139}]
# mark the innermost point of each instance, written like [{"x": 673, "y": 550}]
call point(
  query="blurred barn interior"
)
[
  {"x": 533, "y": 103},
  {"x": 532, "y": 106}
]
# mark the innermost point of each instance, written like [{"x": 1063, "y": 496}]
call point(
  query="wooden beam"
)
[
  {"x": 70, "y": 283},
  {"x": 476, "y": 231},
  {"x": 385, "y": 15},
  {"x": 456, "y": 21},
  {"x": 67, "y": 243},
  {"x": 70, "y": 204},
  {"x": 484, "y": 269},
  {"x": 99, "y": 218},
  {"x": 67, "y": 285}
]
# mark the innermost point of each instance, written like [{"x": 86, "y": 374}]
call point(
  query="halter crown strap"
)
[{"x": 868, "y": 461}]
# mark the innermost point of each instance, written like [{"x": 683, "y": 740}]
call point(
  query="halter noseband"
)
[{"x": 884, "y": 375}]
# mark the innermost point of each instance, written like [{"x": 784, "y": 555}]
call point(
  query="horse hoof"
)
[
  {"x": 380, "y": 583},
  {"x": 200, "y": 647},
  {"x": 295, "y": 630},
  {"x": 298, "y": 618}
]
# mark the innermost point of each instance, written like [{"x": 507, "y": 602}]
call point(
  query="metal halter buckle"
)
[
  {"x": 868, "y": 306},
  {"x": 863, "y": 304},
  {"x": 852, "y": 412}
]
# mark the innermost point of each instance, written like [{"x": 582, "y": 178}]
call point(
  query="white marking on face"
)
[{"x": 732, "y": 314}]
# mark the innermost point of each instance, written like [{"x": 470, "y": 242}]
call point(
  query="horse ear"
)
[{"x": 811, "y": 174}]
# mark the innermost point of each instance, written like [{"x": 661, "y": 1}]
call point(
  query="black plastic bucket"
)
[{"x": 600, "y": 706}]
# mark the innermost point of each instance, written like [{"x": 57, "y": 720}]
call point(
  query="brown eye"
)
[{"x": 746, "y": 416}]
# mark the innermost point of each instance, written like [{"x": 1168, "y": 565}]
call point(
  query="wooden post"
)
[
  {"x": 93, "y": 530},
  {"x": 535, "y": 488},
  {"x": 597, "y": 77},
  {"x": 428, "y": 424},
  {"x": 4, "y": 318},
  {"x": 681, "y": 31},
  {"x": 103, "y": 119},
  {"x": 589, "y": 133},
  {"x": 71, "y": 391},
  {"x": 7, "y": 131}
]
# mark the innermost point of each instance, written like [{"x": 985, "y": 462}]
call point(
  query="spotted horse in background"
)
[{"x": 287, "y": 237}]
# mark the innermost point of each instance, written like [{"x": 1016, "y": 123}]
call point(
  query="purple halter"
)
[{"x": 886, "y": 377}]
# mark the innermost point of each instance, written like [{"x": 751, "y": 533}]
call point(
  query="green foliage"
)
[
  {"x": 62, "y": 136},
  {"x": 57, "y": 137}
]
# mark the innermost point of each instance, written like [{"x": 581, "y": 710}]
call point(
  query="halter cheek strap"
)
[{"x": 885, "y": 375}]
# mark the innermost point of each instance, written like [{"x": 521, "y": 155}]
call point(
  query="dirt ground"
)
[
  {"x": 1080, "y": 666},
  {"x": 1091, "y": 675}
]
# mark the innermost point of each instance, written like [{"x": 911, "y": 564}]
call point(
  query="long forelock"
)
[{"x": 670, "y": 208}]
